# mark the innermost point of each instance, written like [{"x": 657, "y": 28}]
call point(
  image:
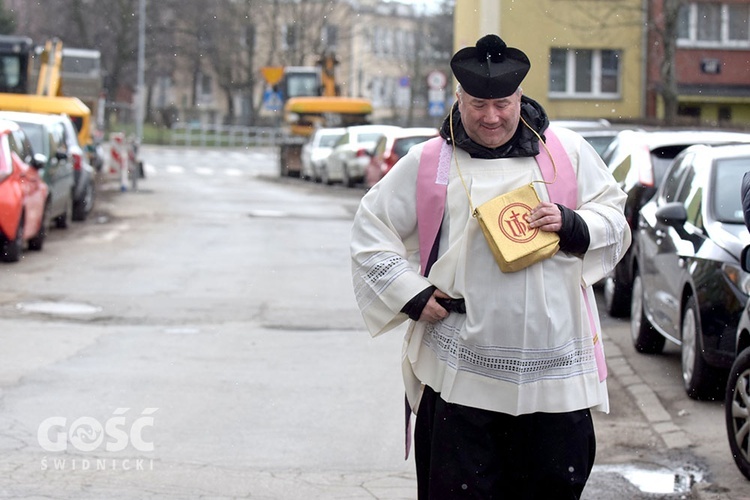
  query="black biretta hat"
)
[{"x": 491, "y": 69}]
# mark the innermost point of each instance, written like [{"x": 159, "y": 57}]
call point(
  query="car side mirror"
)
[
  {"x": 39, "y": 161},
  {"x": 745, "y": 259},
  {"x": 672, "y": 214}
]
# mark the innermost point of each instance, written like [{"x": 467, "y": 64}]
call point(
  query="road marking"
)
[
  {"x": 108, "y": 236},
  {"x": 204, "y": 171},
  {"x": 267, "y": 213},
  {"x": 62, "y": 308},
  {"x": 175, "y": 169}
]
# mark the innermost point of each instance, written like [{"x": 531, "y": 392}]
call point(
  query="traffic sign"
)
[
  {"x": 272, "y": 74},
  {"x": 437, "y": 108},
  {"x": 436, "y": 80},
  {"x": 272, "y": 100}
]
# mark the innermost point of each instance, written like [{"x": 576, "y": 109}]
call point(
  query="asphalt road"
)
[{"x": 198, "y": 338}]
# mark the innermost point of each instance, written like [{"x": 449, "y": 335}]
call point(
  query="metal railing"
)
[{"x": 183, "y": 134}]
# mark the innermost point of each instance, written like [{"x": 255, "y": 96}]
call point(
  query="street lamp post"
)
[{"x": 141, "y": 68}]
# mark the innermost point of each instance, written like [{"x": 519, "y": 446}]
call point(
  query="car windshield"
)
[
  {"x": 34, "y": 133},
  {"x": 727, "y": 204},
  {"x": 402, "y": 146},
  {"x": 369, "y": 137},
  {"x": 661, "y": 159},
  {"x": 328, "y": 141},
  {"x": 599, "y": 142}
]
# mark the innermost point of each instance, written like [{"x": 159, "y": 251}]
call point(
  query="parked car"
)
[
  {"x": 84, "y": 175},
  {"x": 352, "y": 153},
  {"x": 391, "y": 147},
  {"x": 316, "y": 151},
  {"x": 737, "y": 395},
  {"x": 46, "y": 134},
  {"x": 638, "y": 160},
  {"x": 688, "y": 285},
  {"x": 23, "y": 195},
  {"x": 599, "y": 133}
]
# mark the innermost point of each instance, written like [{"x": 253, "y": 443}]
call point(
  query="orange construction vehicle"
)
[{"x": 311, "y": 100}]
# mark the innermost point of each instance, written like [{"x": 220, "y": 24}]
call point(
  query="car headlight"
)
[{"x": 736, "y": 275}]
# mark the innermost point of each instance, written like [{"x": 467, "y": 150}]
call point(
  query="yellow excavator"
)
[
  {"x": 320, "y": 106},
  {"x": 16, "y": 61}
]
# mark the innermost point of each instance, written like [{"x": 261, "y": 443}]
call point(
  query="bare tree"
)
[
  {"x": 661, "y": 18},
  {"x": 7, "y": 21},
  {"x": 663, "y": 27}
]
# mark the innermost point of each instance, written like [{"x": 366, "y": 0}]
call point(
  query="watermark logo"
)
[{"x": 88, "y": 434}]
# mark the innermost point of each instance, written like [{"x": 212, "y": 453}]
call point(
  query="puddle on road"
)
[
  {"x": 661, "y": 480},
  {"x": 60, "y": 308}
]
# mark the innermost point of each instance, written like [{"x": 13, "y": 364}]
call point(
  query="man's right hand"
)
[{"x": 433, "y": 311}]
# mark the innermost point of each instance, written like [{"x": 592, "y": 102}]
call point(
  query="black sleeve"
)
[
  {"x": 414, "y": 307},
  {"x": 574, "y": 233}
]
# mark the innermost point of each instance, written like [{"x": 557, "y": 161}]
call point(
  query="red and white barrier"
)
[{"x": 119, "y": 158}]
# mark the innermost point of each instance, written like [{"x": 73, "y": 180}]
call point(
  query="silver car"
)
[
  {"x": 316, "y": 151},
  {"x": 352, "y": 153}
]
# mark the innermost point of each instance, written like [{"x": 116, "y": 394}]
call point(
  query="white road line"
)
[
  {"x": 175, "y": 169},
  {"x": 204, "y": 171},
  {"x": 108, "y": 236}
]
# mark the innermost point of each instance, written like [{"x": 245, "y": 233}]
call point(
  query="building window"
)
[
  {"x": 709, "y": 22},
  {"x": 704, "y": 24},
  {"x": 329, "y": 36},
  {"x": 205, "y": 85},
  {"x": 584, "y": 73},
  {"x": 289, "y": 37},
  {"x": 247, "y": 36},
  {"x": 739, "y": 15}
]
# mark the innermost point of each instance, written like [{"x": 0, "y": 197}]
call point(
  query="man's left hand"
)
[{"x": 546, "y": 216}]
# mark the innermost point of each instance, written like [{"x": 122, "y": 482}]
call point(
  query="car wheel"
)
[
  {"x": 617, "y": 297},
  {"x": 348, "y": 181},
  {"x": 324, "y": 177},
  {"x": 646, "y": 340},
  {"x": 37, "y": 242},
  {"x": 12, "y": 249},
  {"x": 62, "y": 221},
  {"x": 314, "y": 174},
  {"x": 82, "y": 207},
  {"x": 737, "y": 411},
  {"x": 701, "y": 380}
]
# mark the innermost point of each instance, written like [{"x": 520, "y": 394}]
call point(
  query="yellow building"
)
[{"x": 586, "y": 56}]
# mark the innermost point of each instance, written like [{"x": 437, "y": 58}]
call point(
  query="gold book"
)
[{"x": 514, "y": 244}]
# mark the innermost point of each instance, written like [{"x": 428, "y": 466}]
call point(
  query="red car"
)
[
  {"x": 391, "y": 147},
  {"x": 23, "y": 195}
]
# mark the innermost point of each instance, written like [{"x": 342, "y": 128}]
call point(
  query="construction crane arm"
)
[{"x": 50, "y": 77}]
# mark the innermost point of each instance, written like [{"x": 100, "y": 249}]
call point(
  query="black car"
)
[
  {"x": 638, "y": 160},
  {"x": 688, "y": 285},
  {"x": 737, "y": 396}
]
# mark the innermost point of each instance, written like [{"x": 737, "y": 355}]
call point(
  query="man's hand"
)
[
  {"x": 546, "y": 216},
  {"x": 433, "y": 311}
]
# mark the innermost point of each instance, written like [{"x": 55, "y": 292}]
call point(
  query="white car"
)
[
  {"x": 352, "y": 152},
  {"x": 316, "y": 151}
]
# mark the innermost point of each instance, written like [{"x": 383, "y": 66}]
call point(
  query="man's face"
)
[{"x": 490, "y": 122}]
